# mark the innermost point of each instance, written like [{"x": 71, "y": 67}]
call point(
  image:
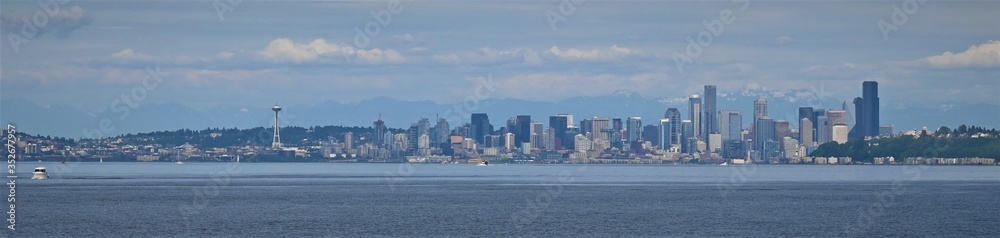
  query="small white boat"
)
[
  {"x": 724, "y": 163},
  {"x": 484, "y": 163},
  {"x": 40, "y": 173},
  {"x": 180, "y": 162}
]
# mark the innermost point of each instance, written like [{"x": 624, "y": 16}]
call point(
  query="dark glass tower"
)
[
  {"x": 559, "y": 124},
  {"x": 480, "y": 127},
  {"x": 711, "y": 118},
  {"x": 870, "y": 116},
  {"x": 523, "y": 132}
]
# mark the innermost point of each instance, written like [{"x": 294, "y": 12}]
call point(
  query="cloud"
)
[
  {"x": 985, "y": 55},
  {"x": 129, "y": 54},
  {"x": 597, "y": 54},
  {"x": 781, "y": 40},
  {"x": 409, "y": 39},
  {"x": 285, "y": 50},
  {"x": 60, "y": 22},
  {"x": 487, "y": 55}
]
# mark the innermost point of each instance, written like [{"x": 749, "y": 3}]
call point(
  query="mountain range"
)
[{"x": 67, "y": 121}]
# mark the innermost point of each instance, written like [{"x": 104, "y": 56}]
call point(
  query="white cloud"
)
[
  {"x": 985, "y": 55},
  {"x": 129, "y": 54},
  {"x": 613, "y": 52},
  {"x": 286, "y": 50},
  {"x": 488, "y": 55},
  {"x": 409, "y": 39}
]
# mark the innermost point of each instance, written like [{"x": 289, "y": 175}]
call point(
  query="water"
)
[{"x": 361, "y": 200}]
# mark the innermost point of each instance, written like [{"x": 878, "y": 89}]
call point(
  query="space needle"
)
[{"x": 276, "y": 143}]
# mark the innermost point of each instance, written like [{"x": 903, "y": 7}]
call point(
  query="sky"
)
[{"x": 207, "y": 54}]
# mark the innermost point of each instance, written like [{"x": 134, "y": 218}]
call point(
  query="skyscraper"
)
[
  {"x": 480, "y": 127},
  {"x": 694, "y": 113},
  {"x": 867, "y": 111},
  {"x": 665, "y": 136},
  {"x": 759, "y": 109},
  {"x": 379, "y": 127},
  {"x": 523, "y": 132},
  {"x": 806, "y": 132},
  {"x": 601, "y": 127},
  {"x": 824, "y": 130},
  {"x": 688, "y": 141},
  {"x": 859, "y": 124},
  {"x": 349, "y": 140},
  {"x": 711, "y": 118},
  {"x": 764, "y": 138},
  {"x": 634, "y": 129},
  {"x": 443, "y": 131},
  {"x": 871, "y": 115},
  {"x": 675, "y": 128},
  {"x": 805, "y": 112},
  {"x": 652, "y": 134},
  {"x": 537, "y": 130},
  {"x": 730, "y": 125},
  {"x": 781, "y": 129},
  {"x": 423, "y": 127},
  {"x": 559, "y": 124}
]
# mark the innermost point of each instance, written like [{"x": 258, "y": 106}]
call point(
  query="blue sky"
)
[{"x": 91, "y": 53}]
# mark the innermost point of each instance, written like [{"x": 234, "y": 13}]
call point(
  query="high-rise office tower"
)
[
  {"x": 730, "y": 125},
  {"x": 837, "y": 117},
  {"x": 601, "y": 128},
  {"x": 781, "y": 129},
  {"x": 537, "y": 129},
  {"x": 586, "y": 126},
  {"x": 805, "y": 112},
  {"x": 866, "y": 112},
  {"x": 764, "y": 138},
  {"x": 711, "y": 118},
  {"x": 559, "y": 124},
  {"x": 806, "y": 132},
  {"x": 824, "y": 130},
  {"x": 688, "y": 140},
  {"x": 675, "y": 128},
  {"x": 480, "y": 127},
  {"x": 443, "y": 132},
  {"x": 423, "y": 127},
  {"x": 859, "y": 125},
  {"x": 379, "y": 127},
  {"x": 523, "y": 132},
  {"x": 871, "y": 115},
  {"x": 759, "y": 109},
  {"x": 652, "y": 134},
  {"x": 509, "y": 141},
  {"x": 694, "y": 112},
  {"x": 349, "y": 140},
  {"x": 664, "y": 135},
  {"x": 634, "y": 129}
]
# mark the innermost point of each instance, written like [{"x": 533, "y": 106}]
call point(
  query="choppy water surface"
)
[{"x": 351, "y": 200}]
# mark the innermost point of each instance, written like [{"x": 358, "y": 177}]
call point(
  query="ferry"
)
[{"x": 39, "y": 173}]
